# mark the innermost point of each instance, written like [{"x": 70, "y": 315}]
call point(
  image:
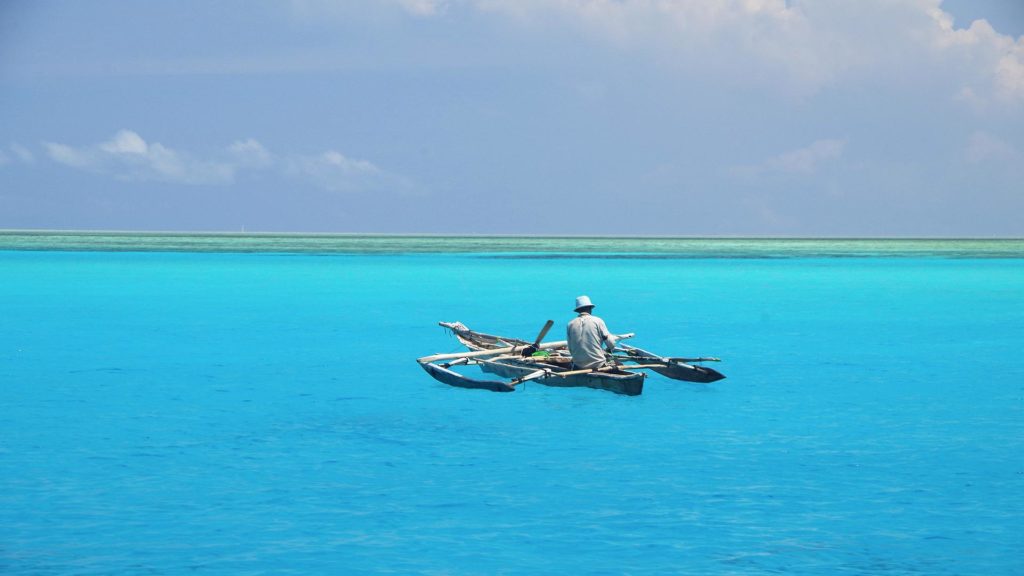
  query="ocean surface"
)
[{"x": 230, "y": 404}]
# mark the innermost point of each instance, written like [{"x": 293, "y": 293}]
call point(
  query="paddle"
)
[
  {"x": 529, "y": 350},
  {"x": 674, "y": 367}
]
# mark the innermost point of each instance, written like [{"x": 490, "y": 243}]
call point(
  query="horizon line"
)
[{"x": 248, "y": 233}]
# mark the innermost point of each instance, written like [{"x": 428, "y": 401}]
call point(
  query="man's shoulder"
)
[{"x": 585, "y": 319}]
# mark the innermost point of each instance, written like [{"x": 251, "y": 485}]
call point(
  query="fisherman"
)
[{"x": 586, "y": 333}]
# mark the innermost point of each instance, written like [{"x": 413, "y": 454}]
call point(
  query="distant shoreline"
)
[{"x": 510, "y": 246}]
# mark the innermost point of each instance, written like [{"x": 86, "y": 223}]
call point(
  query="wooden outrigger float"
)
[{"x": 550, "y": 364}]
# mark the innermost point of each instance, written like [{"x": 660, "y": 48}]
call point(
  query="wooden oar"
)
[
  {"x": 676, "y": 368},
  {"x": 536, "y": 343},
  {"x": 543, "y": 332}
]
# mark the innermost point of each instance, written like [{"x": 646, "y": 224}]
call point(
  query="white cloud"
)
[
  {"x": 66, "y": 155},
  {"x": 424, "y": 7},
  {"x": 347, "y": 165},
  {"x": 794, "y": 46},
  {"x": 333, "y": 170},
  {"x": 16, "y": 153},
  {"x": 125, "y": 142},
  {"x": 990, "y": 64},
  {"x": 315, "y": 9},
  {"x": 127, "y": 156},
  {"x": 22, "y": 154},
  {"x": 804, "y": 161},
  {"x": 250, "y": 153},
  {"x": 1010, "y": 74}
]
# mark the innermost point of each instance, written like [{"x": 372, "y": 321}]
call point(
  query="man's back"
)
[{"x": 586, "y": 333}]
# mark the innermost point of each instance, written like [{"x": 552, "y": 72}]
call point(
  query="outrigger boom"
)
[{"x": 490, "y": 352}]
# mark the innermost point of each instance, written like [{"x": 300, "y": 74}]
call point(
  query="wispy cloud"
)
[
  {"x": 424, "y": 7},
  {"x": 802, "y": 161},
  {"x": 127, "y": 156},
  {"x": 16, "y": 153},
  {"x": 348, "y": 8},
  {"x": 250, "y": 153},
  {"x": 334, "y": 171},
  {"x": 22, "y": 154}
]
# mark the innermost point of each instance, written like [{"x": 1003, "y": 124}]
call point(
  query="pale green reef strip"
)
[{"x": 513, "y": 246}]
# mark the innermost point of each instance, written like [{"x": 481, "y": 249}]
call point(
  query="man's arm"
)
[{"x": 606, "y": 336}]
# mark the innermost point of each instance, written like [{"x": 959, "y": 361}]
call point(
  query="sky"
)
[{"x": 594, "y": 117}]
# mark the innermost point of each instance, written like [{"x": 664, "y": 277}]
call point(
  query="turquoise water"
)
[{"x": 228, "y": 410}]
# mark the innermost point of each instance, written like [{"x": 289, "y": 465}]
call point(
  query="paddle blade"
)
[
  {"x": 543, "y": 332},
  {"x": 672, "y": 369},
  {"x": 689, "y": 373}
]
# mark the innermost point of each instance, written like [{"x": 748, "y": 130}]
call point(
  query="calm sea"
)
[{"x": 177, "y": 404}]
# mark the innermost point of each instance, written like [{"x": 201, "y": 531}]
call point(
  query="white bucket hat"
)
[{"x": 583, "y": 302}]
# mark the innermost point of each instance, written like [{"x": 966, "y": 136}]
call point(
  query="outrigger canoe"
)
[{"x": 550, "y": 364}]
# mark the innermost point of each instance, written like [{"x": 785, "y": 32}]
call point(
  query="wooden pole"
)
[
  {"x": 489, "y": 352},
  {"x": 606, "y": 369},
  {"x": 668, "y": 360},
  {"x": 505, "y": 350}
]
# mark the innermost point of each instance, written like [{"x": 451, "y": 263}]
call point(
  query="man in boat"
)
[{"x": 586, "y": 334}]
